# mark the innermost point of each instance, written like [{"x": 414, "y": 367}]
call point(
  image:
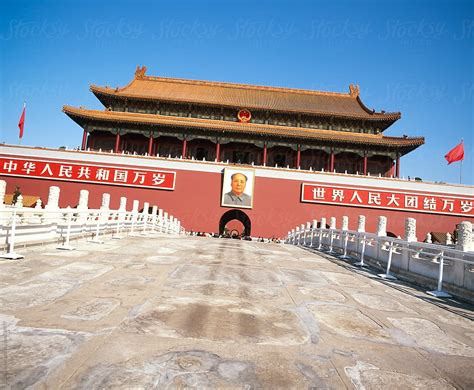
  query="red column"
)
[
  {"x": 365, "y": 165},
  {"x": 264, "y": 154},
  {"x": 391, "y": 171},
  {"x": 84, "y": 140},
  {"x": 184, "y": 148},
  {"x": 218, "y": 151},
  {"x": 150, "y": 144},
  {"x": 331, "y": 161},
  {"x": 117, "y": 142},
  {"x": 397, "y": 167},
  {"x": 298, "y": 157}
]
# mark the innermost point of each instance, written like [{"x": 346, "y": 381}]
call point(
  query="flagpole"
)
[{"x": 460, "y": 173}]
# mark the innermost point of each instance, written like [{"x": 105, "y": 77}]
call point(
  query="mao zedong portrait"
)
[{"x": 237, "y": 197}]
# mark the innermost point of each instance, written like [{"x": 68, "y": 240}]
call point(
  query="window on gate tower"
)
[
  {"x": 280, "y": 160},
  {"x": 202, "y": 153},
  {"x": 240, "y": 157}
]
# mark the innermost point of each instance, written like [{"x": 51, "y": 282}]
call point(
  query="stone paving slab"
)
[{"x": 176, "y": 312}]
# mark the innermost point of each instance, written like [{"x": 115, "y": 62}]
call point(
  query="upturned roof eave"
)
[
  {"x": 77, "y": 114},
  {"x": 388, "y": 118}
]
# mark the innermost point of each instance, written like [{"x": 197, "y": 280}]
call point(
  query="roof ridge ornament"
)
[
  {"x": 140, "y": 72},
  {"x": 354, "y": 90}
]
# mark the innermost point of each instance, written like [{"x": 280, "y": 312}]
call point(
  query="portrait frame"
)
[{"x": 227, "y": 188}]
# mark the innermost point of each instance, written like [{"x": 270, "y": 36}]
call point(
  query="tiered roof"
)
[
  {"x": 253, "y": 97},
  {"x": 83, "y": 116},
  {"x": 240, "y": 96}
]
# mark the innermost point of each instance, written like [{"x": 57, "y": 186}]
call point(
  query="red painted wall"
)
[{"x": 196, "y": 203}]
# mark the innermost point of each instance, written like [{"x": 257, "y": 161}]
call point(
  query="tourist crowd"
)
[{"x": 234, "y": 236}]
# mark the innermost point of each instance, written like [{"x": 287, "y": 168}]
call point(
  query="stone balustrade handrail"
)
[
  {"x": 371, "y": 237},
  {"x": 27, "y": 225},
  {"x": 453, "y": 264}
]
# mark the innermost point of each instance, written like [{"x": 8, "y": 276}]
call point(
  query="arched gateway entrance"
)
[{"x": 238, "y": 215}]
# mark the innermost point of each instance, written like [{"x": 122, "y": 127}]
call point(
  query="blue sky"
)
[{"x": 410, "y": 56}]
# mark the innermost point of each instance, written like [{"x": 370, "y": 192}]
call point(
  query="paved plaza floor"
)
[{"x": 192, "y": 312}]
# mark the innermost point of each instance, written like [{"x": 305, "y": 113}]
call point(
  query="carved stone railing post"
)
[
  {"x": 3, "y": 188},
  {"x": 53, "y": 198},
  {"x": 82, "y": 206},
  {"x": 67, "y": 234},
  {"x": 344, "y": 237},
  {"x": 105, "y": 202},
  {"x": 154, "y": 212},
  {"x": 323, "y": 223},
  {"x": 160, "y": 220},
  {"x": 19, "y": 201},
  {"x": 428, "y": 238},
  {"x": 135, "y": 205},
  {"x": 345, "y": 223},
  {"x": 3, "y": 215},
  {"x": 37, "y": 217},
  {"x": 165, "y": 222},
  {"x": 134, "y": 217},
  {"x": 382, "y": 227},
  {"x": 449, "y": 239},
  {"x": 315, "y": 226},
  {"x": 120, "y": 218},
  {"x": 307, "y": 233},
  {"x": 171, "y": 224},
  {"x": 322, "y": 226},
  {"x": 105, "y": 207},
  {"x": 53, "y": 204},
  {"x": 297, "y": 235},
  {"x": 122, "y": 209},
  {"x": 146, "y": 208},
  {"x": 410, "y": 230},
  {"x": 83, "y": 200},
  {"x": 332, "y": 226},
  {"x": 18, "y": 204},
  {"x": 123, "y": 203},
  {"x": 464, "y": 230},
  {"x": 361, "y": 224}
]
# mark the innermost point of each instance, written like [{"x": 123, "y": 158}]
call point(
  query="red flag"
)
[
  {"x": 21, "y": 124},
  {"x": 455, "y": 154}
]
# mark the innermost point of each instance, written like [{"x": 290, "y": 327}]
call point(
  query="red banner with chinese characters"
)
[
  {"x": 388, "y": 199},
  {"x": 88, "y": 173}
]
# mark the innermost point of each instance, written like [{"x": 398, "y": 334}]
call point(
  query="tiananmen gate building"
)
[
  {"x": 244, "y": 124},
  {"x": 299, "y": 155}
]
